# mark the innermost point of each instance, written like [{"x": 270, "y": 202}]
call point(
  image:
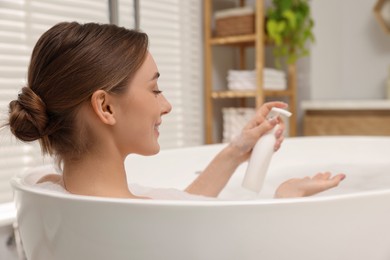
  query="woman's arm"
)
[
  {"x": 214, "y": 178},
  {"x": 216, "y": 175}
]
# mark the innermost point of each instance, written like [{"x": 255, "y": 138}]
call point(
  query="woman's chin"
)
[
  {"x": 156, "y": 151},
  {"x": 152, "y": 151}
]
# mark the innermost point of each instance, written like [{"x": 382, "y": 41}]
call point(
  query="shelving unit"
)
[{"x": 257, "y": 40}]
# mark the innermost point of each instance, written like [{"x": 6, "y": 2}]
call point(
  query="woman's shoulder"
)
[
  {"x": 51, "y": 177},
  {"x": 53, "y": 182}
]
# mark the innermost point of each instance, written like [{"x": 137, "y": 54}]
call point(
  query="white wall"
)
[{"x": 351, "y": 56}]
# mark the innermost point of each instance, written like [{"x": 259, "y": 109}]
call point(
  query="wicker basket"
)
[
  {"x": 235, "y": 21},
  {"x": 235, "y": 25}
]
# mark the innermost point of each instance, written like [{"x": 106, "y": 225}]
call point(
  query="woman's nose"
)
[{"x": 166, "y": 107}]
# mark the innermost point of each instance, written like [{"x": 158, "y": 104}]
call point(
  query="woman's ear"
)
[{"x": 102, "y": 107}]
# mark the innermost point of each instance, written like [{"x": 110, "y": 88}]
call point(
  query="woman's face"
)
[{"x": 140, "y": 113}]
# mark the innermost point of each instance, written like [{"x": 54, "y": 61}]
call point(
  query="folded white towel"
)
[
  {"x": 275, "y": 81},
  {"x": 240, "y": 73},
  {"x": 238, "y": 78},
  {"x": 267, "y": 72},
  {"x": 266, "y": 76},
  {"x": 238, "y": 11},
  {"x": 275, "y": 86},
  {"x": 254, "y": 80},
  {"x": 233, "y": 86},
  {"x": 246, "y": 79},
  {"x": 274, "y": 72}
]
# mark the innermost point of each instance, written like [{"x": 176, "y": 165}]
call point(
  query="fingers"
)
[
  {"x": 322, "y": 176},
  {"x": 280, "y": 130},
  {"x": 333, "y": 182},
  {"x": 321, "y": 182},
  {"x": 264, "y": 127},
  {"x": 278, "y": 143},
  {"x": 338, "y": 178},
  {"x": 328, "y": 181},
  {"x": 262, "y": 113},
  {"x": 266, "y": 107},
  {"x": 327, "y": 176},
  {"x": 279, "y": 136}
]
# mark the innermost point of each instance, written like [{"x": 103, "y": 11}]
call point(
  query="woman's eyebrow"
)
[{"x": 156, "y": 76}]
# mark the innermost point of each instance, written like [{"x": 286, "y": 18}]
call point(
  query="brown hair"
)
[{"x": 68, "y": 64}]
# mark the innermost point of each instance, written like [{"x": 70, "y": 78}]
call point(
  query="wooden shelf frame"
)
[
  {"x": 247, "y": 39},
  {"x": 248, "y": 93},
  {"x": 259, "y": 41}
]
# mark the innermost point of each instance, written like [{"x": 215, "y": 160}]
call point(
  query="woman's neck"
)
[{"x": 97, "y": 175}]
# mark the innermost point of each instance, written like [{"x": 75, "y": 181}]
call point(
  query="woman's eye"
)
[{"x": 157, "y": 92}]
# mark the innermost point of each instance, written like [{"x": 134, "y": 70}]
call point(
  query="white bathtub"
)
[{"x": 350, "y": 222}]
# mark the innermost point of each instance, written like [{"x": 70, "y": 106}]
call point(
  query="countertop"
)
[{"x": 375, "y": 104}]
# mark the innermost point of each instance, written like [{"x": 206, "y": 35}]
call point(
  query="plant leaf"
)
[{"x": 291, "y": 18}]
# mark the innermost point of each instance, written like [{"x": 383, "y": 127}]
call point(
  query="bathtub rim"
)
[{"x": 18, "y": 185}]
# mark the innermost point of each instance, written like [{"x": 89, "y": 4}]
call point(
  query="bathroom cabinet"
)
[
  {"x": 346, "y": 117},
  {"x": 243, "y": 98}
]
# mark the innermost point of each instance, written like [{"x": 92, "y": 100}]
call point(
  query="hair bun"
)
[{"x": 27, "y": 116}]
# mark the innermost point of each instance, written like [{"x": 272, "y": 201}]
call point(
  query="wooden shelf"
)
[
  {"x": 239, "y": 43},
  {"x": 278, "y": 93},
  {"x": 248, "y": 39},
  {"x": 248, "y": 93},
  {"x": 233, "y": 94}
]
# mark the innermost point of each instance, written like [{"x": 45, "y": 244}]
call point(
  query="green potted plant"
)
[{"x": 289, "y": 25}]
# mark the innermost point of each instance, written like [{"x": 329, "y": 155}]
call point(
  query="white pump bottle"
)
[{"x": 261, "y": 156}]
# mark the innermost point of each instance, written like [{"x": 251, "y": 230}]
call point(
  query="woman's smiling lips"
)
[{"x": 156, "y": 127}]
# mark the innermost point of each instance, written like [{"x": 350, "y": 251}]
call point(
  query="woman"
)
[{"x": 92, "y": 98}]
